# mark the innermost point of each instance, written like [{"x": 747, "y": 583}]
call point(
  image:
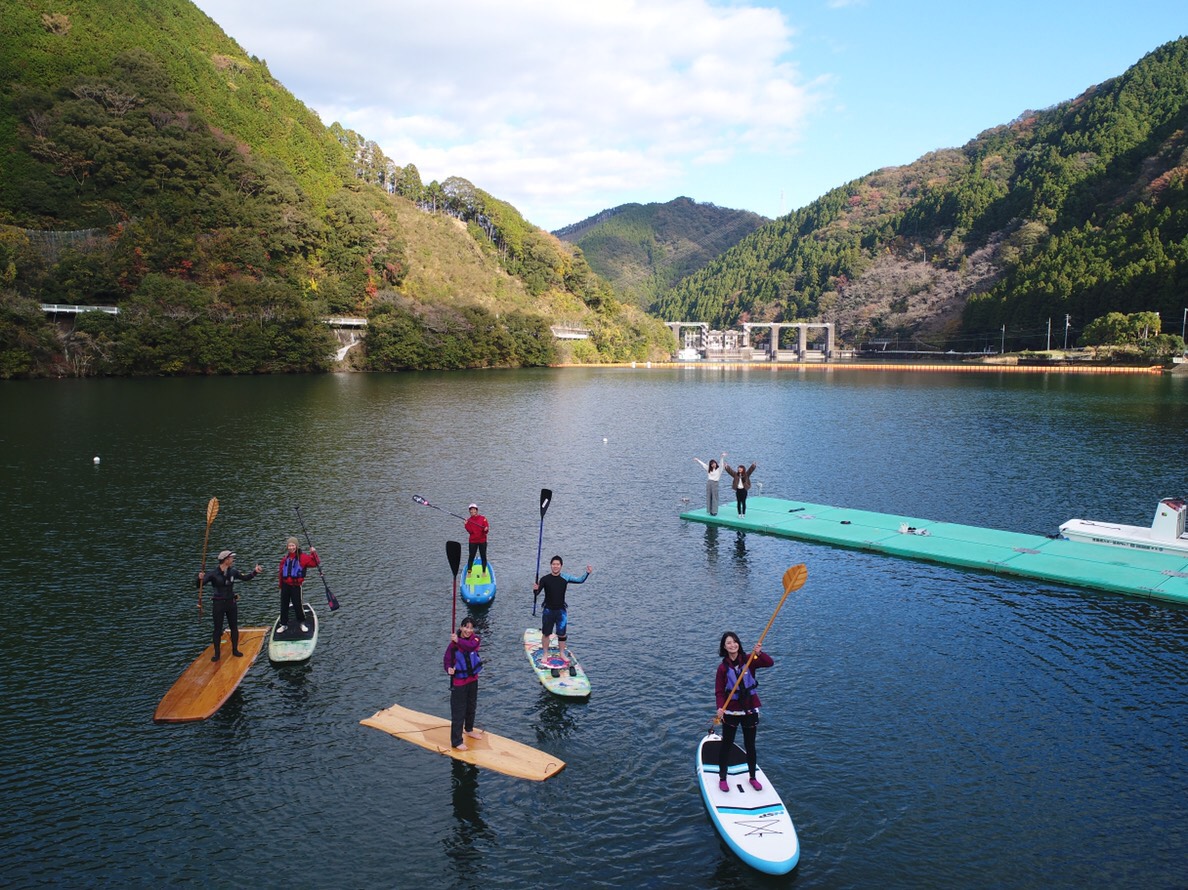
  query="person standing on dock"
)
[
  {"x": 740, "y": 481},
  {"x": 290, "y": 575},
  {"x": 463, "y": 663},
  {"x": 222, "y": 578},
  {"x": 713, "y": 474},
  {"x": 742, "y": 707},
  {"x": 555, "y": 614},
  {"x": 478, "y": 528}
]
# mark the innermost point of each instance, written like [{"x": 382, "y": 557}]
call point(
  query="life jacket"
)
[
  {"x": 466, "y": 664},
  {"x": 745, "y": 689},
  {"x": 291, "y": 569}
]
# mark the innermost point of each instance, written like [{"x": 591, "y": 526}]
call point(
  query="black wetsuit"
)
[{"x": 224, "y": 603}]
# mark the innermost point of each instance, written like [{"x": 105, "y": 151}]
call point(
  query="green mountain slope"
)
[
  {"x": 1081, "y": 209},
  {"x": 644, "y": 249},
  {"x": 149, "y": 162}
]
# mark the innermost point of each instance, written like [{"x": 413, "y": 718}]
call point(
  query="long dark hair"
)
[
  {"x": 713, "y": 464},
  {"x": 722, "y": 644}
]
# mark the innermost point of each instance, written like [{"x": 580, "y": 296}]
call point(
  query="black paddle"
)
[
  {"x": 330, "y": 597},
  {"x": 424, "y": 503},
  {"x": 454, "y": 555},
  {"x": 545, "y": 497}
]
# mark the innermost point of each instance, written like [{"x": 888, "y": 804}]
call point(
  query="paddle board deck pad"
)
[
  {"x": 294, "y": 644},
  {"x": 206, "y": 685},
  {"x": 490, "y": 752},
  {"x": 560, "y": 676},
  {"x": 478, "y": 585},
  {"x": 754, "y": 824}
]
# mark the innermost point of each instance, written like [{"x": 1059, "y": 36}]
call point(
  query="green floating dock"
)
[{"x": 1159, "y": 576}]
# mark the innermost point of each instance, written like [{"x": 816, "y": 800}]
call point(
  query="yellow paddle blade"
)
[
  {"x": 212, "y": 510},
  {"x": 794, "y": 578}
]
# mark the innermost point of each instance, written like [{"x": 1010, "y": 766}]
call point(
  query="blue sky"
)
[{"x": 567, "y": 108}]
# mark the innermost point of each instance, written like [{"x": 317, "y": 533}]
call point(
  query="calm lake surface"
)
[{"x": 927, "y": 727}]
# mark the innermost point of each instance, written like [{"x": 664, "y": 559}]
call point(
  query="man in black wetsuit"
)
[
  {"x": 555, "y": 614},
  {"x": 222, "y": 578}
]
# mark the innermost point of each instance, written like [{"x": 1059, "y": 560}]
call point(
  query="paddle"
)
[
  {"x": 424, "y": 503},
  {"x": 330, "y": 597},
  {"x": 454, "y": 555},
  {"x": 545, "y": 497},
  {"x": 212, "y": 510},
  {"x": 794, "y": 579}
]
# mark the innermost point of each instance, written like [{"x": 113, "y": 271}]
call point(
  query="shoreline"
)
[{"x": 896, "y": 366}]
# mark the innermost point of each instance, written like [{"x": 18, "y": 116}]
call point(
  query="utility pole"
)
[
  {"x": 1067, "y": 320},
  {"x": 1002, "y": 349},
  {"x": 1049, "y": 346}
]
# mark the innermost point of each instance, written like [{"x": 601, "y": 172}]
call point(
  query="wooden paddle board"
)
[
  {"x": 478, "y": 585},
  {"x": 294, "y": 644},
  {"x": 754, "y": 824},
  {"x": 206, "y": 685},
  {"x": 490, "y": 752},
  {"x": 567, "y": 678}
]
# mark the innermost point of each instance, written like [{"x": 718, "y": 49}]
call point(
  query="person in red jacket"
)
[
  {"x": 478, "y": 527},
  {"x": 741, "y": 708},
  {"x": 290, "y": 576}
]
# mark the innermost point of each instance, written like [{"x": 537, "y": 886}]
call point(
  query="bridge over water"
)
[{"x": 756, "y": 341}]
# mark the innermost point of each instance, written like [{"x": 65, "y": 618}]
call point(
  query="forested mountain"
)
[
  {"x": 147, "y": 161},
  {"x": 1080, "y": 209},
  {"x": 644, "y": 249}
]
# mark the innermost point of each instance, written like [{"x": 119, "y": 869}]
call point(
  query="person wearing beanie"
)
[
  {"x": 290, "y": 576},
  {"x": 478, "y": 528}
]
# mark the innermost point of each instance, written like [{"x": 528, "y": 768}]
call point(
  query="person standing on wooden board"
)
[
  {"x": 741, "y": 708},
  {"x": 555, "y": 614},
  {"x": 713, "y": 474},
  {"x": 222, "y": 578},
  {"x": 478, "y": 528},
  {"x": 463, "y": 663},
  {"x": 290, "y": 575},
  {"x": 740, "y": 481}
]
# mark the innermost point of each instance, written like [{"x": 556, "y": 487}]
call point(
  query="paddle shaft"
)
[
  {"x": 545, "y": 497},
  {"x": 331, "y": 599},
  {"x": 788, "y": 588},
  {"x": 424, "y": 503}
]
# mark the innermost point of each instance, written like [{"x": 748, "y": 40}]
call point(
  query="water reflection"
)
[
  {"x": 463, "y": 845},
  {"x": 558, "y": 716}
]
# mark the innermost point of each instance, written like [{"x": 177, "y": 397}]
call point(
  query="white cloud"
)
[{"x": 557, "y": 108}]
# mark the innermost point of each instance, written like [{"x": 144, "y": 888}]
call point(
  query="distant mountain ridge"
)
[
  {"x": 644, "y": 249},
  {"x": 1077, "y": 210}
]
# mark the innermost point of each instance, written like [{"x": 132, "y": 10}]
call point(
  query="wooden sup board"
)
[
  {"x": 478, "y": 586},
  {"x": 754, "y": 824},
  {"x": 294, "y": 644},
  {"x": 206, "y": 685},
  {"x": 490, "y": 752},
  {"x": 561, "y": 678}
]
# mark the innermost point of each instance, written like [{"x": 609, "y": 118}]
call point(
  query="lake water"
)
[{"x": 927, "y": 727}]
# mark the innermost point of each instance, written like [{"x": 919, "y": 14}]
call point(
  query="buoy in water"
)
[
  {"x": 604, "y": 440},
  {"x": 96, "y": 460}
]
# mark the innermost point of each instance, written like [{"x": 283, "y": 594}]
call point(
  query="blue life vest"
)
[
  {"x": 467, "y": 665},
  {"x": 748, "y": 685},
  {"x": 291, "y": 568}
]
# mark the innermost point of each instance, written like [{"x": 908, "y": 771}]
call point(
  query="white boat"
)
[
  {"x": 1166, "y": 534},
  {"x": 688, "y": 354}
]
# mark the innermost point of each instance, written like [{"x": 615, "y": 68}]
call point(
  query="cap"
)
[
  {"x": 472, "y": 507},
  {"x": 224, "y": 554}
]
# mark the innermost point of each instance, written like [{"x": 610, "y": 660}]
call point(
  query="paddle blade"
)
[
  {"x": 420, "y": 500},
  {"x": 546, "y": 497},
  {"x": 212, "y": 510},
  {"x": 454, "y": 555},
  {"x": 794, "y": 578},
  {"x": 331, "y": 600}
]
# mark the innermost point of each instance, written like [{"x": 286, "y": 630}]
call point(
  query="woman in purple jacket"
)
[
  {"x": 463, "y": 663},
  {"x": 741, "y": 708}
]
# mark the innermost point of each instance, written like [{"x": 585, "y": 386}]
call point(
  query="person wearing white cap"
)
[
  {"x": 222, "y": 578},
  {"x": 478, "y": 527}
]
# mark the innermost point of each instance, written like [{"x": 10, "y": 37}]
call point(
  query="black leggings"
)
[
  {"x": 463, "y": 704},
  {"x": 750, "y": 722},
  {"x": 291, "y": 594},
  {"x": 740, "y": 495},
  {"x": 228, "y": 608},
  {"x": 481, "y": 549}
]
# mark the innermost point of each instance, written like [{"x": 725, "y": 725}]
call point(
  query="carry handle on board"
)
[
  {"x": 794, "y": 579},
  {"x": 546, "y": 497}
]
